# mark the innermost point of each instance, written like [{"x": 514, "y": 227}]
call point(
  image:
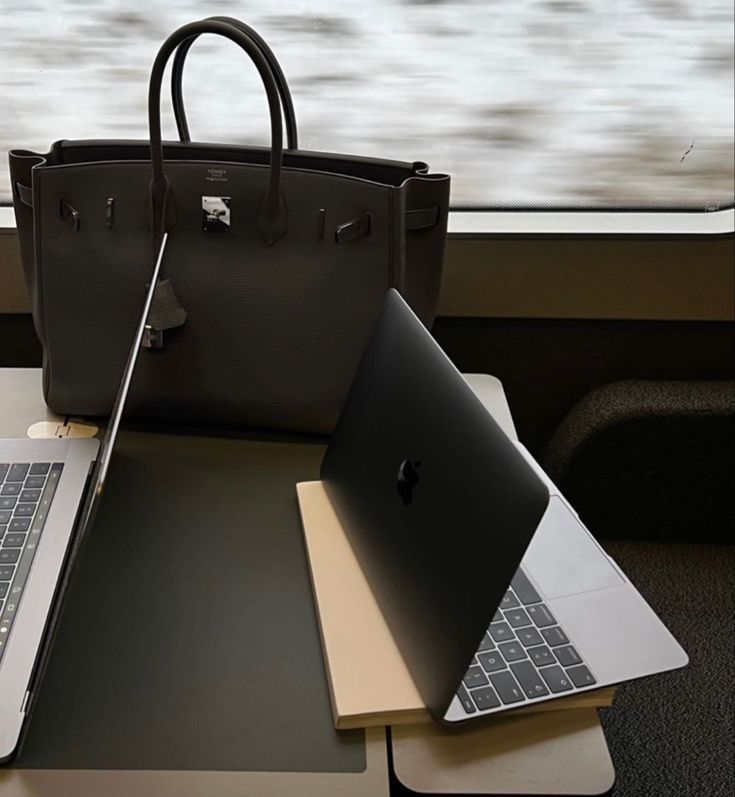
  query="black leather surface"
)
[
  {"x": 278, "y": 310},
  {"x": 189, "y": 638},
  {"x": 269, "y": 340},
  {"x": 273, "y": 333}
]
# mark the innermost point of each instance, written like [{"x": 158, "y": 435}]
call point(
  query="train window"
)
[{"x": 541, "y": 104}]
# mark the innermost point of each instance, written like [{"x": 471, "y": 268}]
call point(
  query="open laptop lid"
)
[
  {"x": 436, "y": 500},
  {"x": 93, "y": 492},
  {"x": 99, "y": 472}
]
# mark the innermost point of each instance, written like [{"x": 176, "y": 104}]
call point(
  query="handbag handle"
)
[
  {"x": 271, "y": 222},
  {"x": 177, "y": 72}
]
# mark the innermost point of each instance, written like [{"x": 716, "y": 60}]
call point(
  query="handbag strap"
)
[
  {"x": 271, "y": 221},
  {"x": 177, "y": 72}
]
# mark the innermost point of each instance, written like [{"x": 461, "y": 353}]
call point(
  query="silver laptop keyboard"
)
[
  {"x": 26, "y": 492},
  {"x": 525, "y": 655}
]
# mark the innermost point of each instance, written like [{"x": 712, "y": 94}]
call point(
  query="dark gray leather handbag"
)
[{"x": 276, "y": 263}]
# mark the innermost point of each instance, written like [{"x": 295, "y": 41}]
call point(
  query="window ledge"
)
[
  {"x": 471, "y": 224},
  {"x": 600, "y": 222}
]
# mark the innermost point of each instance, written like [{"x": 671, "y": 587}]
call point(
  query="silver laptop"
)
[
  {"x": 49, "y": 493},
  {"x": 495, "y": 592}
]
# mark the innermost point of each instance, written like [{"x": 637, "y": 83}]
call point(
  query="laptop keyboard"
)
[
  {"x": 524, "y": 656},
  {"x": 26, "y": 492}
]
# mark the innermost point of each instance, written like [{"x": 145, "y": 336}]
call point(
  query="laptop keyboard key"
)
[
  {"x": 487, "y": 643},
  {"x": 501, "y": 632},
  {"x": 474, "y": 677},
  {"x": 529, "y": 636},
  {"x": 509, "y": 601},
  {"x": 506, "y": 687},
  {"x": 512, "y": 651},
  {"x": 17, "y": 472},
  {"x": 485, "y": 698},
  {"x": 554, "y": 636},
  {"x": 581, "y": 676},
  {"x": 527, "y": 676},
  {"x": 541, "y": 656},
  {"x": 27, "y": 510},
  {"x": 541, "y": 615},
  {"x": 524, "y": 589},
  {"x": 491, "y": 661},
  {"x": 11, "y": 488},
  {"x": 4, "y": 587},
  {"x": 517, "y": 618},
  {"x": 4, "y": 468},
  {"x": 567, "y": 656},
  {"x": 556, "y": 679},
  {"x": 465, "y": 700}
]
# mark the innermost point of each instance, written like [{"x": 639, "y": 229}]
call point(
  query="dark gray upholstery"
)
[
  {"x": 650, "y": 460},
  {"x": 651, "y": 465}
]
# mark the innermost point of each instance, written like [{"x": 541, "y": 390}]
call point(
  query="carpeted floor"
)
[{"x": 672, "y": 734}]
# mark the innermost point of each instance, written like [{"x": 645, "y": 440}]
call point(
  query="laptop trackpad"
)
[{"x": 563, "y": 559}]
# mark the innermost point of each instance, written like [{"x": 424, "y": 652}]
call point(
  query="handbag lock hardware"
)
[
  {"x": 353, "y": 229},
  {"x": 152, "y": 338},
  {"x": 69, "y": 214}
]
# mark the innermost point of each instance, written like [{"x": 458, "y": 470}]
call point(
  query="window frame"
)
[{"x": 463, "y": 223}]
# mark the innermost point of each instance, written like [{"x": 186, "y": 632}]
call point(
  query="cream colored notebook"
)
[{"x": 369, "y": 682}]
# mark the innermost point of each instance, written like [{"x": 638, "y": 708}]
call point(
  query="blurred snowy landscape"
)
[{"x": 523, "y": 102}]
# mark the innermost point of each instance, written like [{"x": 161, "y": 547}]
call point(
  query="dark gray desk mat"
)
[{"x": 189, "y": 638}]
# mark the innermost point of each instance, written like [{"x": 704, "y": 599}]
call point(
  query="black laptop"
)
[{"x": 496, "y": 594}]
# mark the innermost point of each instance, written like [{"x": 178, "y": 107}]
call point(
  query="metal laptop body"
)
[
  {"x": 441, "y": 508},
  {"x": 28, "y": 614}
]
